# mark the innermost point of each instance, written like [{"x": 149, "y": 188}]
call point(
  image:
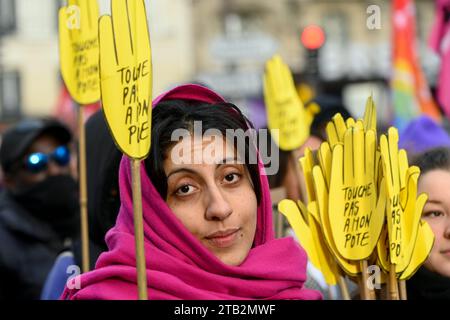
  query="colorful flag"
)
[
  {"x": 410, "y": 91},
  {"x": 440, "y": 43}
]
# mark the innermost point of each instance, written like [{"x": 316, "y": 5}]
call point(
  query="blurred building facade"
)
[
  {"x": 354, "y": 62},
  {"x": 29, "y": 62},
  {"x": 222, "y": 43}
]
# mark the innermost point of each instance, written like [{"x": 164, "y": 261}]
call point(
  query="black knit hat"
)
[{"x": 17, "y": 139}]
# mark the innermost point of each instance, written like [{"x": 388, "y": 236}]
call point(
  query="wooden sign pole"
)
[
  {"x": 83, "y": 192},
  {"x": 139, "y": 229},
  {"x": 393, "y": 286}
]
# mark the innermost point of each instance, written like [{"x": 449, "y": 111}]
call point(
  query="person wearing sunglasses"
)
[
  {"x": 39, "y": 210},
  {"x": 102, "y": 169}
]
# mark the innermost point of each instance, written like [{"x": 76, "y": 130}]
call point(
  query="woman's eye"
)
[
  {"x": 185, "y": 190},
  {"x": 432, "y": 214},
  {"x": 232, "y": 177}
]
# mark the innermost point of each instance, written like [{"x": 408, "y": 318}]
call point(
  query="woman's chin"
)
[{"x": 232, "y": 258}]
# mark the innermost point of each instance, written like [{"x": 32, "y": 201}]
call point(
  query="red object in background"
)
[
  {"x": 66, "y": 110},
  {"x": 313, "y": 37}
]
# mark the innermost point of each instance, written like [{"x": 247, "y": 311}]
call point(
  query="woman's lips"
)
[
  {"x": 223, "y": 239},
  {"x": 446, "y": 253}
]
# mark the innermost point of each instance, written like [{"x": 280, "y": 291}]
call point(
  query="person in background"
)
[
  {"x": 39, "y": 210},
  {"x": 432, "y": 280},
  {"x": 102, "y": 162}
]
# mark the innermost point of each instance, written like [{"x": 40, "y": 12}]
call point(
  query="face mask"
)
[{"x": 55, "y": 202}]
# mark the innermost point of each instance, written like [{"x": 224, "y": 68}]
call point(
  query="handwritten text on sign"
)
[
  {"x": 79, "y": 50},
  {"x": 396, "y": 220},
  {"x": 288, "y": 122},
  {"x": 356, "y": 225},
  {"x": 86, "y": 66},
  {"x": 136, "y": 107}
]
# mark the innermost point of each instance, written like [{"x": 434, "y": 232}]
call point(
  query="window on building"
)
[
  {"x": 10, "y": 96},
  {"x": 7, "y": 16},
  {"x": 57, "y": 5}
]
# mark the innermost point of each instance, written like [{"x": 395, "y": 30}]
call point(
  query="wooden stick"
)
[
  {"x": 393, "y": 286},
  {"x": 330, "y": 292},
  {"x": 139, "y": 229},
  {"x": 403, "y": 292},
  {"x": 365, "y": 290},
  {"x": 83, "y": 192},
  {"x": 372, "y": 294},
  {"x": 303, "y": 195},
  {"x": 344, "y": 288},
  {"x": 279, "y": 218},
  {"x": 279, "y": 230}
]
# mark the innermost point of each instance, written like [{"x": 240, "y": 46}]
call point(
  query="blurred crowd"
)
[{"x": 40, "y": 240}]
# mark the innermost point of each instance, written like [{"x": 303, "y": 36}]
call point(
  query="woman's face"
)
[
  {"x": 436, "y": 183},
  {"x": 213, "y": 198}
]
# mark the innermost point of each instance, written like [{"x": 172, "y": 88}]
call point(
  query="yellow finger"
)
[{"x": 122, "y": 31}]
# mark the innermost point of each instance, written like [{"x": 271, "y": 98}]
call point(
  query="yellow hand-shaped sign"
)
[
  {"x": 337, "y": 126},
  {"x": 307, "y": 164},
  {"x": 356, "y": 207},
  {"x": 317, "y": 189},
  {"x": 310, "y": 238},
  {"x": 320, "y": 209},
  {"x": 370, "y": 115},
  {"x": 404, "y": 208},
  {"x": 79, "y": 50},
  {"x": 126, "y": 76},
  {"x": 424, "y": 244},
  {"x": 287, "y": 118},
  {"x": 295, "y": 218}
]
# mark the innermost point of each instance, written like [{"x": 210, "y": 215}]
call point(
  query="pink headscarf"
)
[{"x": 178, "y": 265}]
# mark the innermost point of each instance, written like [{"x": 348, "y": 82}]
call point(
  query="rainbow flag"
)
[{"x": 410, "y": 92}]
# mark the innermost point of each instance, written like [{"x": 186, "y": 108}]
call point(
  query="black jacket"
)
[
  {"x": 427, "y": 285},
  {"x": 28, "y": 248}
]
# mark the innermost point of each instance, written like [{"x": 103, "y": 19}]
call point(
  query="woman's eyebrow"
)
[
  {"x": 434, "y": 201},
  {"x": 225, "y": 161},
  {"x": 229, "y": 160},
  {"x": 181, "y": 170}
]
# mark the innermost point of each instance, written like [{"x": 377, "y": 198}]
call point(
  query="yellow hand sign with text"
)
[
  {"x": 319, "y": 210},
  {"x": 79, "y": 50},
  {"x": 318, "y": 213},
  {"x": 404, "y": 208},
  {"x": 356, "y": 207},
  {"x": 287, "y": 118},
  {"x": 126, "y": 76}
]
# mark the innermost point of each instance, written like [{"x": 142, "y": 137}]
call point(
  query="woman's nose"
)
[
  {"x": 54, "y": 169},
  {"x": 447, "y": 227},
  {"x": 218, "y": 207}
]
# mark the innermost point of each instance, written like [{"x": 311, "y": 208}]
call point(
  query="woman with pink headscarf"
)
[{"x": 208, "y": 230}]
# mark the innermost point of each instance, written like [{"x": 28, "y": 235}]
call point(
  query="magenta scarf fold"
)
[{"x": 178, "y": 265}]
